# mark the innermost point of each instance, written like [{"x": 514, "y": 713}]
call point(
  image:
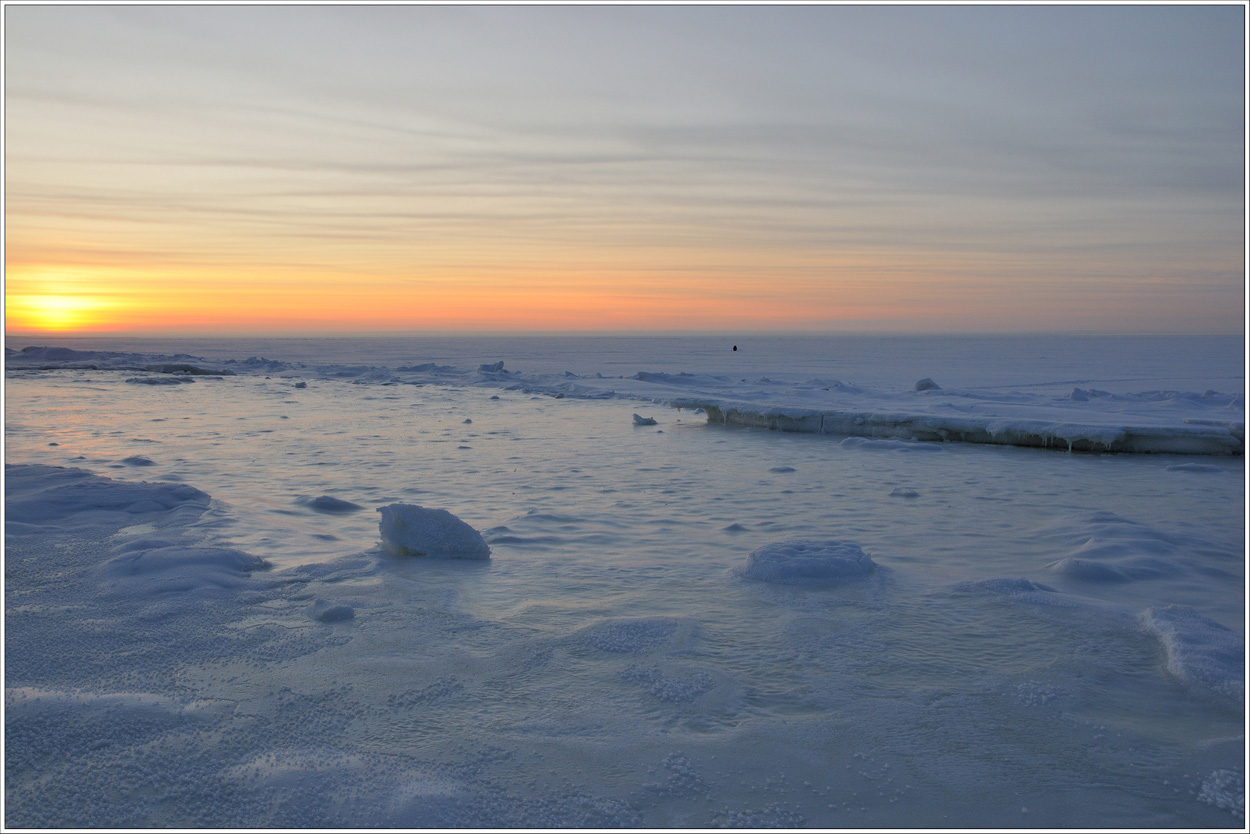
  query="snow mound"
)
[
  {"x": 180, "y": 569},
  {"x": 39, "y": 494},
  {"x": 1087, "y": 570},
  {"x": 324, "y": 611},
  {"x": 1201, "y": 653},
  {"x": 927, "y": 384},
  {"x": 808, "y": 562},
  {"x": 1105, "y": 547},
  {"x": 412, "y": 530}
]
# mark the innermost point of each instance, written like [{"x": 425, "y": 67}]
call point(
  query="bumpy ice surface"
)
[{"x": 219, "y": 636}]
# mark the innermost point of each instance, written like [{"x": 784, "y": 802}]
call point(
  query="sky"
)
[{"x": 220, "y": 169}]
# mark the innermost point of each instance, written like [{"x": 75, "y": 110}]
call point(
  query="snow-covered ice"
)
[
  {"x": 717, "y": 625},
  {"x": 808, "y": 562},
  {"x": 1201, "y": 652}
]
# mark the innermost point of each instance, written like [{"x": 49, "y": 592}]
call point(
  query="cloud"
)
[{"x": 803, "y": 135}]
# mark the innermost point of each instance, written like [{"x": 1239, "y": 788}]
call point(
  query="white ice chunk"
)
[
  {"x": 639, "y": 420},
  {"x": 411, "y": 530},
  {"x": 808, "y": 562}
]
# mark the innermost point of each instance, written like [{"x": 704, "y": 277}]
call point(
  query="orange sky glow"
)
[{"x": 286, "y": 170}]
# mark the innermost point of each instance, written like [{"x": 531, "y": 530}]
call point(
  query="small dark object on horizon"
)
[{"x": 735, "y": 348}]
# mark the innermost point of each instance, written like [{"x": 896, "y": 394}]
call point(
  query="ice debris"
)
[
  {"x": 1192, "y": 467},
  {"x": 874, "y": 444},
  {"x": 927, "y": 384},
  {"x": 159, "y": 380},
  {"x": 639, "y": 420},
  {"x": 1225, "y": 789},
  {"x": 412, "y": 530},
  {"x": 334, "y": 506},
  {"x": 184, "y": 368},
  {"x": 808, "y": 562}
]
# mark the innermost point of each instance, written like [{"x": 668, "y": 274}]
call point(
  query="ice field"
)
[{"x": 692, "y": 623}]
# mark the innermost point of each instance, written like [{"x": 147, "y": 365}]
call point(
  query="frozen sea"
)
[{"x": 861, "y": 582}]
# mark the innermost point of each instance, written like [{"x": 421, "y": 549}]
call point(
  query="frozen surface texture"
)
[
  {"x": 1039, "y": 640},
  {"x": 411, "y": 530},
  {"x": 1002, "y": 395}
]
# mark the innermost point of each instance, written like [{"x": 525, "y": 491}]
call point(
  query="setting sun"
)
[{"x": 56, "y": 313}]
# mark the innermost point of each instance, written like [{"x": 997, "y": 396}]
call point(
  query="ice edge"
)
[{"x": 1072, "y": 437}]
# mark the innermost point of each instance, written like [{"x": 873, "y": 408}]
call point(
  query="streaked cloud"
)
[{"x": 894, "y": 159}]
